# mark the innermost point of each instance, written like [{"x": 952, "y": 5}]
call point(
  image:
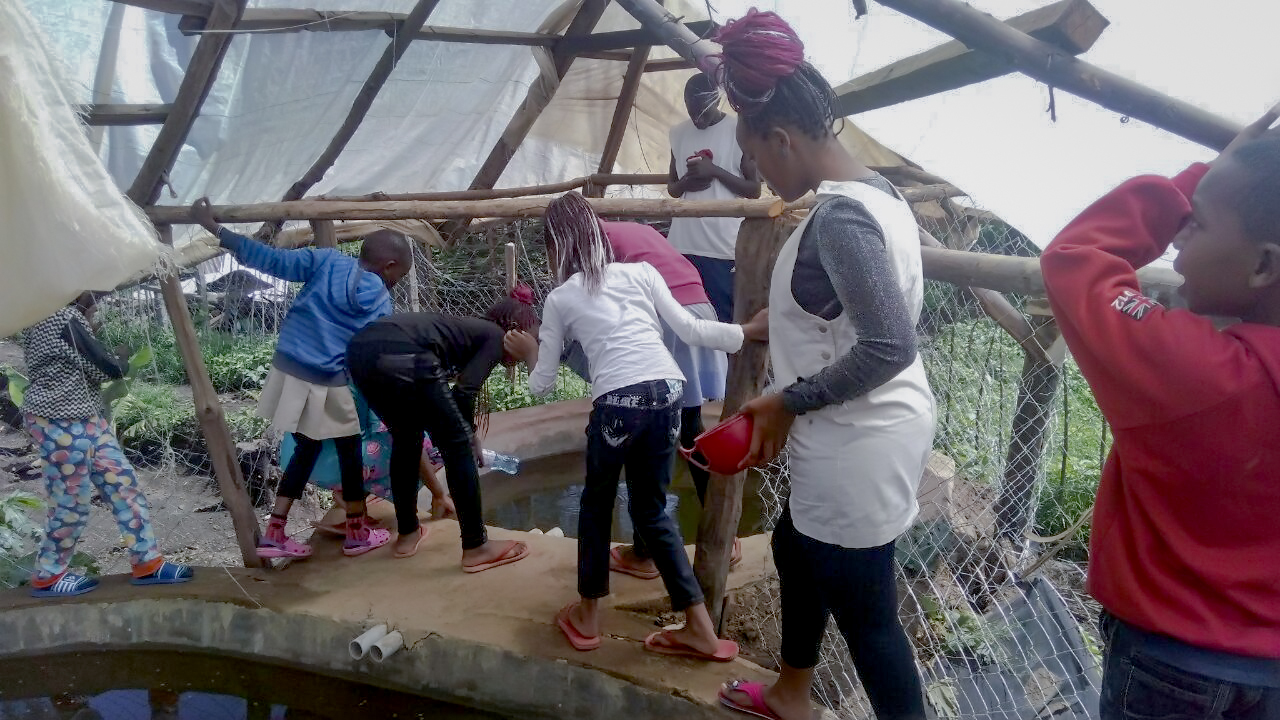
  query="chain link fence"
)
[{"x": 991, "y": 577}]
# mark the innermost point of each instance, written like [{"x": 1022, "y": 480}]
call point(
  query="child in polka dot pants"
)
[
  {"x": 81, "y": 456},
  {"x": 66, "y": 416}
]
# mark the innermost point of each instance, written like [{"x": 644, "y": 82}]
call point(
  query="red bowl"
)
[{"x": 723, "y": 446}]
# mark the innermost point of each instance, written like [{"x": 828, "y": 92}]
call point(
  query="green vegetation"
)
[
  {"x": 975, "y": 368},
  {"x": 235, "y": 362},
  {"x": 502, "y": 395}
]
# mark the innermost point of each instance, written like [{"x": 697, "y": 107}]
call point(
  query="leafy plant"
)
[
  {"x": 154, "y": 414},
  {"x": 16, "y": 525},
  {"x": 18, "y": 384},
  {"x": 964, "y": 634},
  {"x": 503, "y": 395}
]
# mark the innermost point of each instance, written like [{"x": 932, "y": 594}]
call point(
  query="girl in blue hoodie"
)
[{"x": 306, "y": 392}]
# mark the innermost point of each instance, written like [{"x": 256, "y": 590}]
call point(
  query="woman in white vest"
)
[{"x": 852, "y": 404}]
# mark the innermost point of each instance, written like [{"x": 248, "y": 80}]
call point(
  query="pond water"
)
[
  {"x": 168, "y": 685},
  {"x": 547, "y": 491}
]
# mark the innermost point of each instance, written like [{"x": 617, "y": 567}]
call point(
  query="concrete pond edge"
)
[{"x": 473, "y": 675}]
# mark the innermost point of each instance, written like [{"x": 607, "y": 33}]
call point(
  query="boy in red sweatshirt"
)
[{"x": 1185, "y": 553}]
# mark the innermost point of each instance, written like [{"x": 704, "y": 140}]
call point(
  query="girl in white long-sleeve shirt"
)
[{"x": 612, "y": 310}]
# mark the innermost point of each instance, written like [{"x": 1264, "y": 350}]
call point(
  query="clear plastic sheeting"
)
[{"x": 67, "y": 228}]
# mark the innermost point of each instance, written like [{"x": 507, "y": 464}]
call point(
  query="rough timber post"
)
[
  {"x": 212, "y": 419},
  {"x": 759, "y": 240}
]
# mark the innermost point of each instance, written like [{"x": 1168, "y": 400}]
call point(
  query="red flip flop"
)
[
  {"x": 580, "y": 642},
  {"x": 728, "y": 649},
  {"x": 618, "y": 565},
  {"x": 506, "y": 558},
  {"x": 422, "y": 535},
  {"x": 753, "y": 690}
]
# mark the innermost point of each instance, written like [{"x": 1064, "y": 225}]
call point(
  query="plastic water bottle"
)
[{"x": 502, "y": 463}]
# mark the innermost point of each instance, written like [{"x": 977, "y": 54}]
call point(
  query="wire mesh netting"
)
[{"x": 991, "y": 575}]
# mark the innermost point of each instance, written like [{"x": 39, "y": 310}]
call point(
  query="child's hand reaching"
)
[
  {"x": 522, "y": 346},
  {"x": 771, "y": 424},
  {"x": 202, "y": 213}
]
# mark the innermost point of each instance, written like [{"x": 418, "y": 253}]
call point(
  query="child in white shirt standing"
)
[{"x": 612, "y": 310}]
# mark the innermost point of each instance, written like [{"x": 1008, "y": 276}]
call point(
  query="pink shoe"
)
[
  {"x": 287, "y": 548},
  {"x": 361, "y": 538}
]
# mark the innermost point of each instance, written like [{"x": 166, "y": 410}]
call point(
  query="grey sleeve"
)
[{"x": 851, "y": 248}]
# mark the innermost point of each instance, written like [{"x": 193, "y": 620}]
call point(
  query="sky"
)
[{"x": 997, "y": 139}]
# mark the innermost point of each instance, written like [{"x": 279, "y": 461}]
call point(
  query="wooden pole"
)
[
  {"x": 759, "y": 241},
  {"x": 323, "y": 234},
  {"x": 199, "y": 77},
  {"x": 1041, "y": 376},
  {"x": 509, "y": 261},
  {"x": 622, "y": 112},
  {"x": 359, "y": 108},
  {"x": 212, "y": 419},
  {"x": 97, "y": 115},
  {"x": 596, "y": 179},
  {"x": 1070, "y": 25},
  {"x": 536, "y": 101},
  {"x": 667, "y": 27},
  {"x": 444, "y": 210},
  {"x": 1058, "y": 68}
]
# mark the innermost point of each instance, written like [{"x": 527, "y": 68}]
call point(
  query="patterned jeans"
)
[{"x": 78, "y": 456}]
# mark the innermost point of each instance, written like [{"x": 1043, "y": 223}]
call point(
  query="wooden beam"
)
[
  {"x": 486, "y": 37},
  {"x": 1058, "y": 68},
  {"x": 359, "y": 108},
  {"x": 518, "y": 207},
  {"x": 212, "y": 419},
  {"x": 669, "y": 30},
  {"x": 323, "y": 234},
  {"x": 625, "y": 39},
  {"x": 622, "y": 111},
  {"x": 97, "y": 114},
  {"x": 273, "y": 20},
  {"x": 536, "y": 100},
  {"x": 1072, "y": 26},
  {"x": 196, "y": 81},
  {"x": 593, "y": 180},
  {"x": 667, "y": 64},
  {"x": 532, "y": 207}
]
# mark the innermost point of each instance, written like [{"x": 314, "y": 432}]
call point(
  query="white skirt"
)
[{"x": 318, "y": 411}]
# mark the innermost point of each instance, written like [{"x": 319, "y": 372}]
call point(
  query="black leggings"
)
[
  {"x": 305, "y": 452},
  {"x": 857, "y": 586},
  {"x": 413, "y": 397}
]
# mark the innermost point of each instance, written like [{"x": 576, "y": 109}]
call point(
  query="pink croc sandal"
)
[
  {"x": 754, "y": 691},
  {"x": 361, "y": 538},
  {"x": 288, "y": 548}
]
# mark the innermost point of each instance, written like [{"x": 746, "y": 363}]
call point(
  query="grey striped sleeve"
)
[{"x": 843, "y": 264}]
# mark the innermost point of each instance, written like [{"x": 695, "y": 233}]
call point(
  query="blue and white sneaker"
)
[
  {"x": 168, "y": 573},
  {"x": 69, "y": 585}
]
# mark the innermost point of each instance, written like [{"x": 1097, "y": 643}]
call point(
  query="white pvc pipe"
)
[
  {"x": 387, "y": 646},
  {"x": 361, "y": 645}
]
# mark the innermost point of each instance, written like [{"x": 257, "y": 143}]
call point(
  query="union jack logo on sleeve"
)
[{"x": 1134, "y": 304}]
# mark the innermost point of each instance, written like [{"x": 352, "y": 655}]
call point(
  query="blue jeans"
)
[
  {"x": 635, "y": 428},
  {"x": 1136, "y": 686}
]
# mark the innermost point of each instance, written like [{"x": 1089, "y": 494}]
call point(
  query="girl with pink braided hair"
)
[{"x": 853, "y": 405}]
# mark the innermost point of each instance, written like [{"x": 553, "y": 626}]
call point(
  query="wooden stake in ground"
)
[
  {"x": 509, "y": 261},
  {"x": 213, "y": 422},
  {"x": 759, "y": 241}
]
